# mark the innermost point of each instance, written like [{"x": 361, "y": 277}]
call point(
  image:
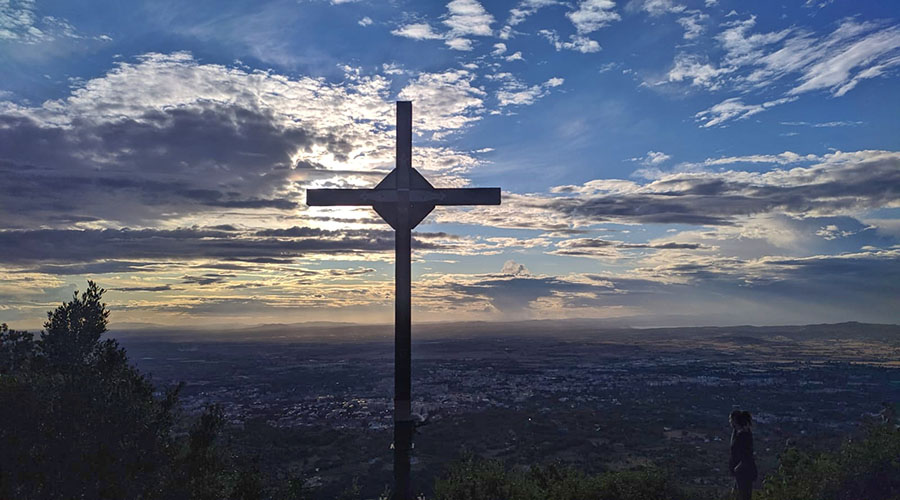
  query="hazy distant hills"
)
[{"x": 576, "y": 329}]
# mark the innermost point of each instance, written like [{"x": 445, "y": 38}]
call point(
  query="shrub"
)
[
  {"x": 867, "y": 468},
  {"x": 79, "y": 421},
  {"x": 479, "y": 479}
]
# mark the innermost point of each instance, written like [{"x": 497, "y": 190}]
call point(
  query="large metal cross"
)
[{"x": 403, "y": 198}]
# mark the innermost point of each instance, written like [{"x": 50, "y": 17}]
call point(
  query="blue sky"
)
[{"x": 676, "y": 162}]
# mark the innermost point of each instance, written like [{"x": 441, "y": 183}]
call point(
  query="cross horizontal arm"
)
[
  {"x": 356, "y": 197},
  {"x": 467, "y": 196},
  {"x": 337, "y": 197}
]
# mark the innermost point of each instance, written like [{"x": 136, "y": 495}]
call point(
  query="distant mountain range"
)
[{"x": 574, "y": 329}]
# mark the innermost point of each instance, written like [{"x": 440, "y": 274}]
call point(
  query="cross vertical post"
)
[
  {"x": 403, "y": 423},
  {"x": 403, "y": 199}
]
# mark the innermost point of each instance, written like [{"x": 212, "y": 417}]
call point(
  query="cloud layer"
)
[
  {"x": 790, "y": 62},
  {"x": 840, "y": 183}
]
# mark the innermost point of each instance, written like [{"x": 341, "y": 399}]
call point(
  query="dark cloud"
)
[
  {"x": 223, "y": 306},
  {"x": 160, "y": 288},
  {"x": 874, "y": 272},
  {"x": 296, "y": 232},
  {"x": 375, "y": 219},
  {"x": 588, "y": 243},
  {"x": 263, "y": 260},
  {"x": 634, "y": 208},
  {"x": 107, "y": 250},
  {"x": 206, "y": 279},
  {"x": 712, "y": 290},
  {"x": 664, "y": 246},
  {"x": 420, "y": 240},
  {"x": 351, "y": 272},
  {"x": 241, "y": 286},
  {"x": 154, "y": 166},
  {"x": 280, "y": 204},
  {"x": 516, "y": 293},
  {"x": 102, "y": 267},
  {"x": 861, "y": 284},
  {"x": 599, "y": 247},
  {"x": 842, "y": 183}
]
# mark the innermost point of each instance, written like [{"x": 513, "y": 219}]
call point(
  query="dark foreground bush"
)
[
  {"x": 480, "y": 479},
  {"x": 77, "y": 420},
  {"x": 863, "y": 469}
]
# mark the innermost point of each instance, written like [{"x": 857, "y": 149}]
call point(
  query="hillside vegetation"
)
[{"x": 79, "y": 421}]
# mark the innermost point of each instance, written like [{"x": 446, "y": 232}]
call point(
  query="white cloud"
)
[
  {"x": 366, "y": 21},
  {"x": 392, "y": 69},
  {"x": 527, "y": 8},
  {"x": 464, "y": 18},
  {"x": 853, "y": 52},
  {"x": 741, "y": 46},
  {"x": 846, "y": 64},
  {"x": 501, "y": 76},
  {"x": 514, "y": 268},
  {"x": 515, "y": 93},
  {"x": 741, "y": 49},
  {"x": 468, "y": 17},
  {"x": 653, "y": 158},
  {"x": 592, "y": 15},
  {"x": 581, "y": 44},
  {"x": 735, "y": 109},
  {"x": 463, "y": 44},
  {"x": 445, "y": 101},
  {"x": 520, "y": 12},
  {"x": 693, "y": 24},
  {"x": 554, "y": 82},
  {"x": 599, "y": 186},
  {"x": 711, "y": 3},
  {"x": 516, "y": 56},
  {"x": 577, "y": 43},
  {"x": 20, "y": 22},
  {"x": 499, "y": 48},
  {"x": 417, "y": 31},
  {"x": 825, "y": 124},
  {"x": 696, "y": 70},
  {"x": 520, "y": 97},
  {"x": 832, "y": 232},
  {"x": 279, "y": 134},
  {"x": 160, "y": 81},
  {"x": 552, "y": 36},
  {"x": 785, "y": 158},
  {"x": 657, "y": 7},
  {"x": 841, "y": 183},
  {"x": 818, "y": 3},
  {"x": 17, "y": 22}
]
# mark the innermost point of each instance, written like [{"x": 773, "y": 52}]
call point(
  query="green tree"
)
[
  {"x": 866, "y": 468},
  {"x": 79, "y": 421}
]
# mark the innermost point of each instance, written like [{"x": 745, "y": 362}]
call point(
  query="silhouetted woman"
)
[{"x": 742, "y": 464}]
